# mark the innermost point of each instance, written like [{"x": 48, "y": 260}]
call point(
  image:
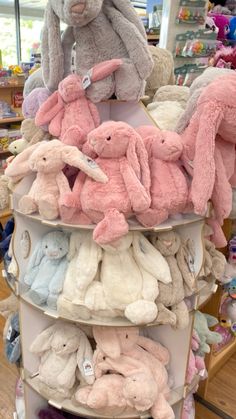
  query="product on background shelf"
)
[
  {"x": 12, "y": 342},
  {"x": 191, "y": 12},
  {"x": 69, "y": 103},
  {"x": 222, "y": 23},
  {"x": 232, "y": 29},
  {"x": 201, "y": 43},
  {"x": 4, "y": 192},
  {"x": 225, "y": 58},
  {"x": 166, "y": 114},
  {"x": 30, "y": 134},
  {"x": 50, "y": 182},
  {"x": 202, "y": 322},
  {"x": 172, "y": 93},
  {"x": 117, "y": 20},
  {"x": 186, "y": 74}
]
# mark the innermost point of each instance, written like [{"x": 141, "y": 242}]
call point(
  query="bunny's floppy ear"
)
[
  {"x": 138, "y": 159},
  {"x": 72, "y": 156},
  {"x": 107, "y": 340},
  {"x": 85, "y": 358},
  {"x": 208, "y": 120},
  {"x": 36, "y": 257},
  {"x": 127, "y": 10},
  {"x": 43, "y": 341},
  {"x": 52, "y": 51},
  {"x": 19, "y": 167},
  {"x": 49, "y": 109},
  {"x": 74, "y": 245},
  {"x": 104, "y": 69}
]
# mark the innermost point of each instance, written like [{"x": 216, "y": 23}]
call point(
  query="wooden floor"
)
[{"x": 8, "y": 372}]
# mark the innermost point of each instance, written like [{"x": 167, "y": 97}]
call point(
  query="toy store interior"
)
[{"x": 117, "y": 209}]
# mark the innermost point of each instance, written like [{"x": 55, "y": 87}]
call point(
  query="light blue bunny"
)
[{"x": 46, "y": 270}]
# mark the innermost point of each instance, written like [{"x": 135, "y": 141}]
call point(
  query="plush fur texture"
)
[
  {"x": 185, "y": 259},
  {"x": 48, "y": 159},
  {"x": 100, "y": 31},
  {"x": 196, "y": 90},
  {"x": 169, "y": 187},
  {"x": 34, "y": 81},
  {"x": 163, "y": 70},
  {"x": 46, "y": 269},
  {"x": 209, "y": 148},
  {"x": 166, "y": 114},
  {"x": 142, "y": 364},
  {"x": 70, "y": 115},
  {"x": 225, "y": 58},
  {"x": 202, "y": 322},
  {"x": 196, "y": 363},
  {"x": 123, "y": 157},
  {"x": 171, "y": 295},
  {"x": 173, "y": 93},
  {"x": 62, "y": 348},
  {"x": 4, "y": 192},
  {"x": 30, "y": 135},
  {"x": 33, "y": 101},
  {"x": 214, "y": 262}
]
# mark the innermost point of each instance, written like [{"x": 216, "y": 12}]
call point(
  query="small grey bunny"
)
[{"x": 101, "y": 30}]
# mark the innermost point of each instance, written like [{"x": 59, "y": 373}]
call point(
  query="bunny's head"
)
[
  {"x": 168, "y": 243},
  {"x": 163, "y": 145},
  {"x": 113, "y": 341},
  {"x": 55, "y": 245},
  {"x": 71, "y": 88},
  {"x": 140, "y": 391},
  {"x": 75, "y": 12},
  {"x": 120, "y": 245}
]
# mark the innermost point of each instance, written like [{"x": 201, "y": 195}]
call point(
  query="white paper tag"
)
[
  {"x": 14, "y": 415},
  {"x": 214, "y": 288},
  {"x": 202, "y": 373},
  {"x": 4, "y": 274},
  {"x": 9, "y": 333},
  {"x": 86, "y": 82},
  {"x": 88, "y": 368}
]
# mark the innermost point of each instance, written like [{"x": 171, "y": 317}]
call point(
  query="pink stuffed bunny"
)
[
  {"x": 70, "y": 115},
  {"x": 123, "y": 157},
  {"x": 125, "y": 352},
  {"x": 196, "y": 363},
  {"x": 48, "y": 159},
  {"x": 169, "y": 186},
  {"x": 209, "y": 147}
]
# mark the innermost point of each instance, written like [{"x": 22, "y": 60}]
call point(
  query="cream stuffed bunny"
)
[
  {"x": 30, "y": 135},
  {"x": 134, "y": 265},
  {"x": 4, "y": 192},
  {"x": 63, "y": 348},
  {"x": 171, "y": 295}
]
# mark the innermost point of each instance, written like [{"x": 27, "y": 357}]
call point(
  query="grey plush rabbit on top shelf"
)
[{"x": 101, "y": 30}]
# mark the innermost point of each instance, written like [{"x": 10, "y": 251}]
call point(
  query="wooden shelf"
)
[
  {"x": 12, "y": 86},
  {"x": 219, "y": 359},
  {"x": 5, "y": 213},
  {"x": 10, "y": 120}
]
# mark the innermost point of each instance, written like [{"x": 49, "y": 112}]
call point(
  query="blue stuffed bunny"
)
[
  {"x": 12, "y": 343},
  {"x": 46, "y": 269}
]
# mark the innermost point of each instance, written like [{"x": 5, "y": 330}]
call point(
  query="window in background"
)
[{"x": 8, "y": 32}]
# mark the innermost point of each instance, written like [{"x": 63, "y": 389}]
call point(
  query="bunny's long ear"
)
[
  {"x": 208, "y": 120},
  {"x": 49, "y": 109},
  {"x": 90, "y": 254},
  {"x": 52, "y": 51},
  {"x": 74, "y": 157},
  {"x": 43, "y": 341},
  {"x": 107, "y": 340},
  {"x": 85, "y": 355},
  {"x": 125, "y": 7},
  {"x": 74, "y": 245},
  {"x": 104, "y": 69},
  {"x": 19, "y": 167},
  {"x": 36, "y": 257},
  {"x": 138, "y": 159}
]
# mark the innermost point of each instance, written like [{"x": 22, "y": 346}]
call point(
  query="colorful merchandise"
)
[
  {"x": 202, "y": 322},
  {"x": 222, "y": 22},
  {"x": 232, "y": 29}
]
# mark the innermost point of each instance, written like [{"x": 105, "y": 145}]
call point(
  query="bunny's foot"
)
[
  {"x": 27, "y": 205},
  {"x": 111, "y": 228},
  {"x": 182, "y": 315},
  {"x": 74, "y": 136},
  {"x": 165, "y": 316},
  {"x": 48, "y": 207},
  {"x": 141, "y": 312},
  {"x": 152, "y": 217},
  {"x": 38, "y": 297},
  {"x": 82, "y": 395}
]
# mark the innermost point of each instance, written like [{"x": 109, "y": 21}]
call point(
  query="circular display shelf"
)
[{"x": 175, "y": 396}]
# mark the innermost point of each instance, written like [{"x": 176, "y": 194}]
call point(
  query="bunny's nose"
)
[
  {"x": 93, "y": 141},
  {"x": 78, "y": 8}
]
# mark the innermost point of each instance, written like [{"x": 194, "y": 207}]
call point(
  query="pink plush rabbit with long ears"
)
[
  {"x": 209, "y": 148},
  {"x": 169, "y": 185},
  {"x": 123, "y": 158},
  {"x": 69, "y": 113},
  {"x": 48, "y": 159}
]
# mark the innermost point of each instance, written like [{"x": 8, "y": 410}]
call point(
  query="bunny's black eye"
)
[
  {"x": 60, "y": 248},
  {"x": 135, "y": 397},
  {"x": 44, "y": 158},
  {"x": 46, "y": 247},
  {"x": 162, "y": 141},
  {"x": 64, "y": 345},
  {"x": 109, "y": 138},
  {"x": 127, "y": 336},
  {"x": 104, "y": 358}
]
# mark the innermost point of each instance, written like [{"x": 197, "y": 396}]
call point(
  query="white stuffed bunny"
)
[
  {"x": 62, "y": 349},
  {"x": 84, "y": 256},
  {"x": 130, "y": 271}
]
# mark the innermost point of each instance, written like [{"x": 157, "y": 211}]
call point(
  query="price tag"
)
[
  {"x": 202, "y": 373},
  {"x": 9, "y": 333},
  {"x": 88, "y": 368}
]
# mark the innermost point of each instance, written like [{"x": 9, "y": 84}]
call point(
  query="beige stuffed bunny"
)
[
  {"x": 63, "y": 348},
  {"x": 4, "y": 192},
  {"x": 171, "y": 295},
  {"x": 30, "y": 135},
  {"x": 185, "y": 259}
]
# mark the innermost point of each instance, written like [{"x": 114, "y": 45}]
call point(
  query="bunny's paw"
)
[
  {"x": 48, "y": 208},
  {"x": 111, "y": 228},
  {"x": 27, "y": 205}
]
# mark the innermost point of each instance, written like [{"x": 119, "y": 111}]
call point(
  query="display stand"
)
[{"x": 35, "y": 319}]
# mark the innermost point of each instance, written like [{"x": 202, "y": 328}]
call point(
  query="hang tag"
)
[
  {"x": 214, "y": 288},
  {"x": 202, "y": 373},
  {"x": 86, "y": 82},
  {"x": 88, "y": 368},
  {"x": 9, "y": 333},
  {"x": 4, "y": 274},
  {"x": 233, "y": 328}
]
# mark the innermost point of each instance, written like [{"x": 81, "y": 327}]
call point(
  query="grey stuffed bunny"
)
[{"x": 101, "y": 30}]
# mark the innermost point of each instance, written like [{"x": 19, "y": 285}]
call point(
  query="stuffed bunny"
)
[
  {"x": 12, "y": 342},
  {"x": 84, "y": 257},
  {"x": 165, "y": 114},
  {"x": 169, "y": 186},
  {"x": 48, "y": 160},
  {"x": 46, "y": 269},
  {"x": 125, "y": 352},
  {"x": 173, "y": 93},
  {"x": 185, "y": 260},
  {"x": 202, "y": 322},
  {"x": 123, "y": 157},
  {"x": 132, "y": 253},
  {"x": 100, "y": 30},
  {"x": 70, "y": 115},
  {"x": 62, "y": 349},
  {"x": 33, "y": 101},
  {"x": 30, "y": 135},
  {"x": 196, "y": 363},
  {"x": 171, "y": 295},
  {"x": 4, "y": 192},
  {"x": 163, "y": 70},
  {"x": 34, "y": 81},
  {"x": 215, "y": 262}
]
